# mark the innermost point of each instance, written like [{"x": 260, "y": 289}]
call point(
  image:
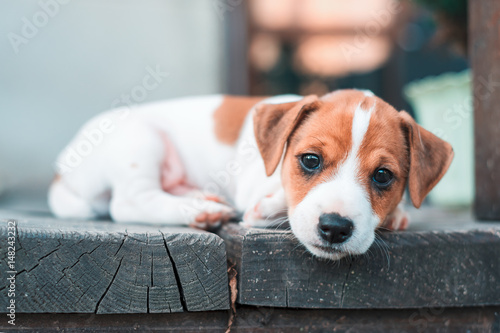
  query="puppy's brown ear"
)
[
  {"x": 273, "y": 125},
  {"x": 430, "y": 158}
]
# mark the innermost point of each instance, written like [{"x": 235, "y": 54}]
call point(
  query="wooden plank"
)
[
  {"x": 103, "y": 267},
  {"x": 263, "y": 319},
  {"x": 402, "y": 270},
  {"x": 484, "y": 50}
]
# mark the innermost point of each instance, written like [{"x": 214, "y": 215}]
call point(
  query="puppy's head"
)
[{"x": 346, "y": 159}]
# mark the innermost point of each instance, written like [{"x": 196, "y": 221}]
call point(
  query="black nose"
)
[{"x": 334, "y": 228}]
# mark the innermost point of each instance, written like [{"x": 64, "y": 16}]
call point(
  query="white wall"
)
[{"x": 83, "y": 58}]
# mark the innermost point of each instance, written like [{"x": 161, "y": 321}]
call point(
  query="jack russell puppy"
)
[{"x": 336, "y": 165}]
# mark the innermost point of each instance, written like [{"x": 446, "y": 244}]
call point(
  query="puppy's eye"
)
[
  {"x": 310, "y": 162},
  {"x": 382, "y": 177}
]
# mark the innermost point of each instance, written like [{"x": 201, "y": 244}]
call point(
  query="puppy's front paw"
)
[
  {"x": 211, "y": 214},
  {"x": 253, "y": 217},
  {"x": 265, "y": 212},
  {"x": 397, "y": 220},
  {"x": 198, "y": 194}
]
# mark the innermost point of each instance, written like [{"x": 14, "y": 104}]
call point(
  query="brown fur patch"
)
[
  {"x": 392, "y": 141},
  {"x": 230, "y": 115},
  {"x": 274, "y": 124},
  {"x": 326, "y": 132},
  {"x": 384, "y": 146},
  {"x": 430, "y": 158}
]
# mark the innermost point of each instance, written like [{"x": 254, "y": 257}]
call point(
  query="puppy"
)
[{"x": 336, "y": 165}]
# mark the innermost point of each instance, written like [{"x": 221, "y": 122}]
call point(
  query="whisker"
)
[
  {"x": 272, "y": 221},
  {"x": 384, "y": 249}
]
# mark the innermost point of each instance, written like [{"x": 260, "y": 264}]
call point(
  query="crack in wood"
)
[
  {"x": 140, "y": 260},
  {"x": 202, "y": 286},
  {"x": 91, "y": 286},
  {"x": 17, "y": 236},
  {"x": 344, "y": 285},
  {"x": 200, "y": 260},
  {"x": 77, "y": 270},
  {"x": 147, "y": 301},
  {"x": 176, "y": 274},
  {"x": 84, "y": 293},
  {"x": 152, "y": 268},
  {"x": 48, "y": 254},
  {"x": 109, "y": 286},
  {"x": 286, "y": 295},
  {"x": 97, "y": 264},
  {"x": 79, "y": 257},
  {"x": 73, "y": 265},
  {"x": 123, "y": 241}
]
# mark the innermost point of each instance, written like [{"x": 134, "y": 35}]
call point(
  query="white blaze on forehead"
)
[
  {"x": 360, "y": 124},
  {"x": 342, "y": 193},
  {"x": 368, "y": 93}
]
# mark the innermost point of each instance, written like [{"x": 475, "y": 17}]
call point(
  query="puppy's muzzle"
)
[{"x": 334, "y": 228}]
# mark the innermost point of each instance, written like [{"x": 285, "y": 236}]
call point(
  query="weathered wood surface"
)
[
  {"x": 103, "y": 267},
  {"x": 484, "y": 51},
  {"x": 263, "y": 319},
  {"x": 403, "y": 270}
]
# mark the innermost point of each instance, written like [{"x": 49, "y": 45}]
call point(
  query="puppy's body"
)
[
  {"x": 173, "y": 147},
  {"x": 178, "y": 161}
]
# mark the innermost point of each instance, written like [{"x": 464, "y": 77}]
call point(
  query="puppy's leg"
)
[
  {"x": 151, "y": 205},
  {"x": 174, "y": 178},
  {"x": 66, "y": 203},
  {"x": 199, "y": 194},
  {"x": 267, "y": 211},
  {"x": 138, "y": 196},
  {"x": 397, "y": 220},
  {"x": 261, "y": 198}
]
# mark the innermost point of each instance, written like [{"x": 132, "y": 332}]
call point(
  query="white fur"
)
[
  {"x": 343, "y": 194},
  {"x": 253, "y": 170},
  {"x": 368, "y": 93},
  {"x": 117, "y": 171}
]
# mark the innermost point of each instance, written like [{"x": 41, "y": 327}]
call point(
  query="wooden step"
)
[
  {"x": 104, "y": 267},
  {"x": 250, "y": 319},
  {"x": 454, "y": 267}
]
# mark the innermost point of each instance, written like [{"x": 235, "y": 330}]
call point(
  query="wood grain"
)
[
  {"x": 102, "y": 267},
  {"x": 265, "y": 319},
  {"x": 484, "y": 50},
  {"x": 402, "y": 270}
]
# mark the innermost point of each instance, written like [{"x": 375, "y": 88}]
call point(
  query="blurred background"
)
[{"x": 63, "y": 61}]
